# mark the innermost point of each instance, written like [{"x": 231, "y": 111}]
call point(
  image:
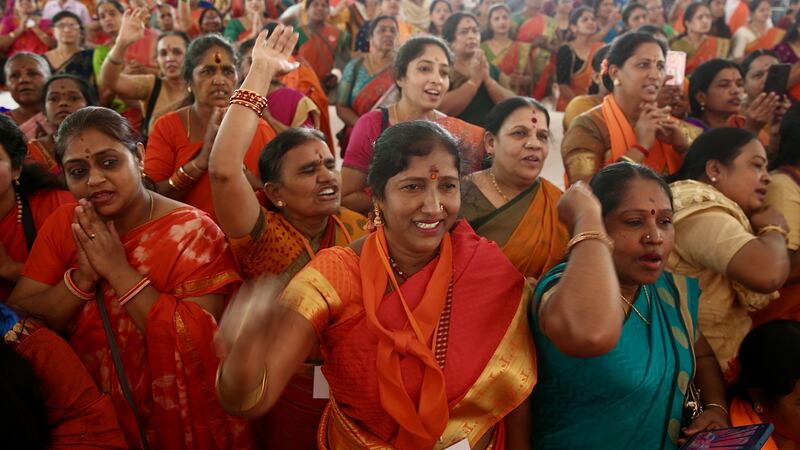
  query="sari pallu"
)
[
  {"x": 171, "y": 369},
  {"x": 511, "y": 60},
  {"x": 387, "y": 390},
  {"x": 539, "y": 240},
  {"x": 767, "y": 41},
  {"x": 319, "y": 48},
  {"x": 663, "y": 159},
  {"x": 363, "y": 98},
  {"x": 711, "y": 48},
  {"x": 633, "y": 396}
]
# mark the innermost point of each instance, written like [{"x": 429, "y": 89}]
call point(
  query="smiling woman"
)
[
  {"x": 95, "y": 265},
  {"x": 180, "y": 142}
]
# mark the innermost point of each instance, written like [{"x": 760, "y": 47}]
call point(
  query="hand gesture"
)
[
  {"x": 649, "y": 120},
  {"x": 783, "y": 105},
  {"x": 578, "y": 202},
  {"x": 484, "y": 63},
  {"x": 670, "y": 133},
  {"x": 272, "y": 54},
  {"x": 476, "y": 68},
  {"x": 211, "y": 133},
  {"x": 99, "y": 242},
  {"x": 760, "y": 111},
  {"x": 767, "y": 216},
  {"x": 133, "y": 26}
]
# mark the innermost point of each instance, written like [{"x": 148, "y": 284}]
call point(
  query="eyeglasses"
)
[{"x": 67, "y": 26}]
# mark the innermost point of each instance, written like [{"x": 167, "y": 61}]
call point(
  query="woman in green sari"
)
[
  {"x": 619, "y": 380},
  {"x": 509, "y": 202}
]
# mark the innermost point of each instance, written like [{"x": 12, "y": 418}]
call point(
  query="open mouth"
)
[
  {"x": 101, "y": 197},
  {"x": 329, "y": 193},
  {"x": 428, "y": 225},
  {"x": 651, "y": 261}
]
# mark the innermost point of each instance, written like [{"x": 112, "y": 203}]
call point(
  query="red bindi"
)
[
  {"x": 652, "y": 212},
  {"x": 217, "y": 58},
  {"x": 434, "y": 172},
  {"x": 534, "y": 120}
]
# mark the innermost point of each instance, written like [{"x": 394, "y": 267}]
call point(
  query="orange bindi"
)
[{"x": 434, "y": 171}]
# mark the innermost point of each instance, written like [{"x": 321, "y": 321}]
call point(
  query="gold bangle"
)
[
  {"x": 586, "y": 235},
  {"x": 237, "y": 404},
  {"x": 183, "y": 172},
  {"x": 724, "y": 409},
  {"x": 776, "y": 228},
  {"x": 627, "y": 159},
  {"x": 115, "y": 62},
  {"x": 194, "y": 164}
]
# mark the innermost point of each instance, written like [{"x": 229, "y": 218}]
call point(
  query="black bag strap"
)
[
  {"x": 151, "y": 106},
  {"x": 121, "y": 376},
  {"x": 28, "y": 226}
]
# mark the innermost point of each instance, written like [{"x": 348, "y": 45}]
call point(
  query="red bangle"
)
[
  {"x": 641, "y": 148},
  {"x": 134, "y": 291},
  {"x": 73, "y": 288}
]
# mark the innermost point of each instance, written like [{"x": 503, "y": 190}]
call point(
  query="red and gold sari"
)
[
  {"x": 542, "y": 61},
  {"x": 275, "y": 247},
  {"x": 767, "y": 41},
  {"x": 39, "y": 154},
  {"x": 171, "y": 369},
  {"x": 387, "y": 386},
  {"x": 711, "y": 47}
]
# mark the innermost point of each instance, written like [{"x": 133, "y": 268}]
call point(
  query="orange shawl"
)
[
  {"x": 739, "y": 17},
  {"x": 470, "y": 139},
  {"x": 582, "y": 79},
  {"x": 540, "y": 240},
  {"x": 171, "y": 369},
  {"x": 767, "y": 41},
  {"x": 663, "y": 158},
  {"x": 742, "y": 414},
  {"x": 168, "y": 148}
]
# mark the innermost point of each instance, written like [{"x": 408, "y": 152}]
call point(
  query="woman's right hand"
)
[
  {"x": 85, "y": 277},
  {"x": 647, "y": 125},
  {"x": 577, "y": 204},
  {"x": 476, "y": 68},
  {"x": 768, "y": 216},
  {"x": 760, "y": 111},
  {"x": 212, "y": 128},
  {"x": 132, "y": 28}
]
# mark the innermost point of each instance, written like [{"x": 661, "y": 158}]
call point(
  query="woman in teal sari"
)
[{"x": 616, "y": 337}]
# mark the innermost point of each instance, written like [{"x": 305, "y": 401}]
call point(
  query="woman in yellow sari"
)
[
  {"x": 508, "y": 55},
  {"x": 628, "y": 125},
  {"x": 726, "y": 237},
  {"x": 696, "y": 42},
  {"x": 758, "y": 34},
  {"x": 510, "y": 203},
  {"x": 382, "y": 308},
  {"x": 302, "y": 217}
]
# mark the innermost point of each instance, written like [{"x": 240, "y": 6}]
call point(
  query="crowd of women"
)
[{"x": 192, "y": 258}]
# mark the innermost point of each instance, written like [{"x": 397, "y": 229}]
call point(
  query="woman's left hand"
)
[
  {"x": 99, "y": 241},
  {"x": 670, "y": 133},
  {"x": 710, "y": 419}
]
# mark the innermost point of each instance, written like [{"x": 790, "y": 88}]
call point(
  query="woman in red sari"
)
[
  {"x": 367, "y": 81},
  {"x": 422, "y": 71},
  {"x": 180, "y": 141},
  {"x": 27, "y": 197},
  {"x": 321, "y": 44},
  {"x": 398, "y": 371},
  {"x": 25, "y": 30},
  {"x": 96, "y": 265},
  {"x": 509, "y": 55},
  {"x": 26, "y": 74},
  {"x": 301, "y": 218}
]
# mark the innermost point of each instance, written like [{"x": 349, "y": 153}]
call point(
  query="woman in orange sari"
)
[
  {"x": 28, "y": 195},
  {"x": 510, "y": 203},
  {"x": 140, "y": 316},
  {"x": 302, "y": 217},
  {"x": 758, "y": 34},
  {"x": 322, "y": 45},
  {"x": 422, "y": 71},
  {"x": 63, "y": 95},
  {"x": 696, "y": 42},
  {"x": 180, "y": 142},
  {"x": 768, "y": 390},
  {"x": 628, "y": 125},
  {"x": 367, "y": 82},
  {"x": 574, "y": 60},
  {"x": 508, "y": 55},
  {"x": 391, "y": 315}
]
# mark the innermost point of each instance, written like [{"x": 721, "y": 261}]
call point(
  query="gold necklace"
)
[
  {"x": 649, "y": 308},
  {"x": 496, "y": 187}
]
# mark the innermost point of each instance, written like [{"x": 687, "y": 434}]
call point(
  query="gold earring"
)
[
  {"x": 377, "y": 220},
  {"x": 280, "y": 204},
  {"x": 758, "y": 408},
  {"x": 713, "y": 179}
]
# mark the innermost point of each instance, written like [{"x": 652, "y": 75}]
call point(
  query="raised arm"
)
[
  {"x": 581, "y": 315},
  {"x": 235, "y": 202},
  {"x": 183, "y": 17},
  {"x": 136, "y": 87}
]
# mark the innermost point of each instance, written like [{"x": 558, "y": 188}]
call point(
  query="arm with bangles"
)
[
  {"x": 101, "y": 256},
  {"x": 708, "y": 379},
  {"x": 235, "y": 203},
  {"x": 134, "y": 87}
]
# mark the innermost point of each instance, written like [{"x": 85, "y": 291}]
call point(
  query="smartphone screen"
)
[
  {"x": 749, "y": 437},
  {"x": 777, "y": 78},
  {"x": 676, "y": 66}
]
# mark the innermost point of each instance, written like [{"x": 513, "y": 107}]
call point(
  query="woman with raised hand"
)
[
  {"x": 422, "y": 74},
  {"x": 180, "y": 142},
  {"x": 157, "y": 94},
  {"x": 394, "y": 314},
  {"x": 628, "y": 125},
  {"x": 28, "y": 195},
  {"x": 617, "y": 342},
  {"x": 63, "y": 95},
  {"x": 96, "y": 272},
  {"x": 510, "y": 203},
  {"x": 302, "y": 216},
  {"x": 727, "y": 237},
  {"x": 697, "y": 42},
  {"x": 70, "y": 56}
]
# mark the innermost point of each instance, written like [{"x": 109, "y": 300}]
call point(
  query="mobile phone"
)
[
  {"x": 777, "y": 78},
  {"x": 676, "y": 66},
  {"x": 749, "y": 437}
]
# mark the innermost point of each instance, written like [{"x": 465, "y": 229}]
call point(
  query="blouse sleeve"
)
[
  {"x": 360, "y": 147},
  {"x": 784, "y": 195},
  {"x": 582, "y": 149},
  {"x": 53, "y": 249},
  {"x": 564, "y": 59},
  {"x": 712, "y": 250}
]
